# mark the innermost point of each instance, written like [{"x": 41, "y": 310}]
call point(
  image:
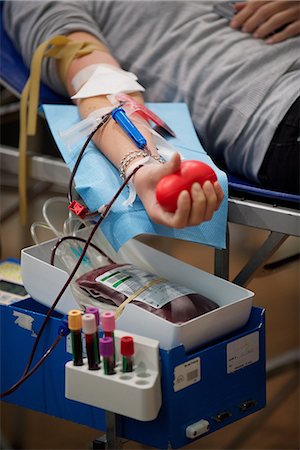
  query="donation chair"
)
[{"x": 249, "y": 205}]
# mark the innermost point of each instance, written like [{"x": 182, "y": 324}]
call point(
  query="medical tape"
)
[
  {"x": 82, "y": 76},
  {"x": 85, "y": 126},
  {"x": 85, "y": 74},
  {"x": 60, "y": 48},
  {"x": 104, "y": 80},
  {"x": 135, "y": 294},
  {"x": 164, "y": 148}
]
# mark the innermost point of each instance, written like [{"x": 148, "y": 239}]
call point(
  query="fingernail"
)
[
  {"x": 234, "y": 24},
  {"x": 207, "y": 186},
  {"x": 196, "y": 187},
  {"x": 269, "y": 41}
]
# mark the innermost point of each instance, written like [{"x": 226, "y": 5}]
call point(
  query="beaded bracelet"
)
[{"x": 131, "y": 156}]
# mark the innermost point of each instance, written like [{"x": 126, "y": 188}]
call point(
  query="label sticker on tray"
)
[
  {"x": 242, "y": 352},
  {"x": 186, "y": 374}
]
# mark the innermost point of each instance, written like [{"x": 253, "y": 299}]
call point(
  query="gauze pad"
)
[{"x": 103, "y": 80}]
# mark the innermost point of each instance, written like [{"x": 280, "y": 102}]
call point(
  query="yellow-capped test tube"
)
[{"x": 75, "y": 326}]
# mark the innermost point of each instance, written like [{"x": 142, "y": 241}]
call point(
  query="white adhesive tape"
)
[{"x": 103, "y": 80}]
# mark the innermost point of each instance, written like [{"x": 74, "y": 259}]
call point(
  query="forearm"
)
[
  {"x": 111, "y": 140},
  {"x": 114, "y": 144}
]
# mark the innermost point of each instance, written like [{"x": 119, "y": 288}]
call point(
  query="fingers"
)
[
  {"x": 192, "y": 209},
  {"x": 180, "y": 218},
  {"x": 274, "y": 22},
  {"x": 211, "y": 200},
  {"x": 239, "y": 6},
  {"x": 289, "y": 31},
  {"x": 219, "y": 192},
  {"x": 245, "y": 13},
  {"x": 198, "y": 210},
  {"x": 262, "y": 18},
  {"x": 206, "y": 201}
]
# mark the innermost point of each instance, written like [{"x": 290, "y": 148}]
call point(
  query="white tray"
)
[{"x": 43, "y": 282}]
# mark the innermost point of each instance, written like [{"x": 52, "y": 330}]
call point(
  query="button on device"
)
[
  {"x": 197, "y": 429},
  {"x": 247, "y": 405},
  {"x": 220, "y": 417}
]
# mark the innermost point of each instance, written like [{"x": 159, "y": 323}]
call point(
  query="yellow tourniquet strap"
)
[
  {"x": 60, "y": 48},
  {"x": 135, "y": 294}
]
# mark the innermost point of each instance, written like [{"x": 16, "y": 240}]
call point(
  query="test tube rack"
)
[{"x": 134, "y": 394}]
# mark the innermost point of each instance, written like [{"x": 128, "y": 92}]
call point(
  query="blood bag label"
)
[
  {"x": 242, "y": 352},
  {"x": 128, "y": 280},
  {"x": 186, "y": 374}
]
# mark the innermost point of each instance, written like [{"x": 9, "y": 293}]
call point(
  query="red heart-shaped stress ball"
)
[{"x": 170, "y": 186}]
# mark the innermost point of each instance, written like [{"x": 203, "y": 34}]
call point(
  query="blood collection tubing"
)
[
  {"x": 89, "y": 328},
  {"x": 127, "y": 352},
  {"x": 108, "y": 355},
  {"x": 75, "y": 326},
  {"x": 27, "y": 371},
  {"x": 133, "y": 106},
  {"x": 120, "y": 117}
]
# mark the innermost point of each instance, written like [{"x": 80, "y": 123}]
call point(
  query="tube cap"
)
[
  {"x": 75, "y": 320},
  {"x": 95, "y": 311},
  {"x": 127, "y": 346},
  {"x": 107, "y": 346},
  {"x": 108, "y": 321},
  {"x": 89, "y": 324}
]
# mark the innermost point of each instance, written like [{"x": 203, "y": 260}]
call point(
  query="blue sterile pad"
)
[{"x": 97, "y": 180}]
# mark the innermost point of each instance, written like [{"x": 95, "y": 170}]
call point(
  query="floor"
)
[{"x": 278, "y": 292}]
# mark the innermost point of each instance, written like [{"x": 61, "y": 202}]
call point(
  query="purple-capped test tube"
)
[
  {"x": 95, "y": 311},
  {"x": 107, "y": 352}
]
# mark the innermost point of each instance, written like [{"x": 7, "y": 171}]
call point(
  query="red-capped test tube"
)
[
  {"x": 89, "y": 328},
  {"x": 107, "y": 352},
  {"x": 127, "y": 352},
  {"x": 95, "y": 311},
  {"x": 75, "y": 325}
]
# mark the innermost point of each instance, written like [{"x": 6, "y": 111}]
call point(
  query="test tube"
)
[
  {"x": 95, "y": 311},
  {"x": 89, "y": 328},
  {"x": 107, "y": 352},
  {"x": 108, "y": 321},
  {"x": 75, "y": 325},
  {"x": 127, "y": 352}
]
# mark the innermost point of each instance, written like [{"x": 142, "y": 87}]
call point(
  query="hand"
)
[
  {"x": 205, "y": 201},
  {"x": 262, "y": 18}
]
